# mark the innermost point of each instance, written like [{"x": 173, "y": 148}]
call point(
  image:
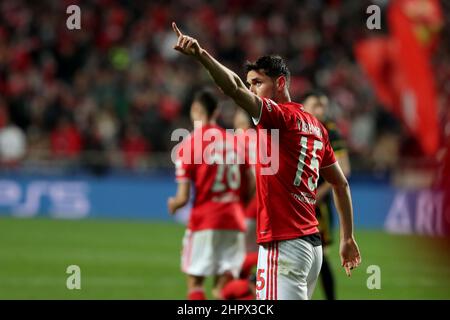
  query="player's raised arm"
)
[
  {"x": 228, "y": 81},
  {"x": 349, "y": 251}
]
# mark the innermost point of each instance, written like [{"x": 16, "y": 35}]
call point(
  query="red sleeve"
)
[
  {"x": 184, "y": 166},
  {"x": 328, "y": 156},
  {"x": 271, "y": 115}
]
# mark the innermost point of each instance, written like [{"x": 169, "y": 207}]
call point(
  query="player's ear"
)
[{"x": 281, "y": 83}]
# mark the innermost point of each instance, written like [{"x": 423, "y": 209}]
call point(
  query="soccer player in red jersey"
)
[
  {"x": 214, "y": 243},
  {"x": 290, "y": 251}
]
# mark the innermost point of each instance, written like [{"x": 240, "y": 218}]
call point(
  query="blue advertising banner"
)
[
  {"x": 376, "y": 205},
  {"x": 112, "y": 197}
]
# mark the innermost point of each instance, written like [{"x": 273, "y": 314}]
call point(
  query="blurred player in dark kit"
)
[{"x": 316, "y": 103}]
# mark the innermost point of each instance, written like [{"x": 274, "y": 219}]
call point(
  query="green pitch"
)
[{"x": 140, "y": 260}]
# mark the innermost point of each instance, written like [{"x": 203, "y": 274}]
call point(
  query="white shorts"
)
[
  {"x": 213, "y": 252},
  {"x": 287, "y": 270}
]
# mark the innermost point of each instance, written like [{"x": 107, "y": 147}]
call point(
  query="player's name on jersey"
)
[
  {"x": 309, "y": 128},
  {"x": 304, "y": 197}
]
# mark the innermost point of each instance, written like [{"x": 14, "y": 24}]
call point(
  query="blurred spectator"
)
[
  {"x": 107, "y": 127},
  {"x": 65, "y": 139},
  {"x": 94, "y": 157},
  {"x": 12, "y": 140},
  {"x": 134, "y": 147},
  {"x": 121, "y": 69}
]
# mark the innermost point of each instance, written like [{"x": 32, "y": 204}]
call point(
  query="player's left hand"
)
[
  {"x": 185, "y": 44},
  {"x": 171, "y": 205},
  {"x": 350, "y": 255}
]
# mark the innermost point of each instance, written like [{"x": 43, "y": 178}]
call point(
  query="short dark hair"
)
[
  {"x": 273, "y": 65},
  {"x": 207, "y": 99},
  {"x": 312, "y": 93}
]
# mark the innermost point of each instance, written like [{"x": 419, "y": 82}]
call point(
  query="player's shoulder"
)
[
  {"x": 203, "y": 133},
  {"x": 307, "y": 123},
  {"x": 269, "y": 104},
  {"x": 186, "y": 144},
  {"x": 284, "y": 107},
  {"x": 288, "y": 108},
  {"x": 308, "y": 117}
]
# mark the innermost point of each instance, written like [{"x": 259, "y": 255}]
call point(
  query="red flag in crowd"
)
[{"x": 399, "y": 67}]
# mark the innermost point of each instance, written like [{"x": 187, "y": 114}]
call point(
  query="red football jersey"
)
[
  {"x": 206, "y": 162},
  {"x": 286, "y": 187}
]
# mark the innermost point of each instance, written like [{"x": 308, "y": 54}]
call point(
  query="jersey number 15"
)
[{"x": 314, "y": 164}]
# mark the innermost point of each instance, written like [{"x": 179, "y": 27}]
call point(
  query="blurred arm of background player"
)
[
  {"x": 181, "y": 198},
  {"x": 228, "y": 81},
  {"x": 344, "y": 163},
  {"x": 349, "y": 251},
  {"x": 251, "y": 181}
]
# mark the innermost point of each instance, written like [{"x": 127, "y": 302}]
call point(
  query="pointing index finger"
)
[
  {"x": 348, "y": 268},
  {"x": 175, "y": 28}
]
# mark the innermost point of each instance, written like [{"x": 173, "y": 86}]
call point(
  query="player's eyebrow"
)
[{"x": 253, "y": 80}]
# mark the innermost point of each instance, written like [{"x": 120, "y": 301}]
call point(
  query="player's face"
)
[
  {"x": 315, "y": 106},
  {"x": 324, "y": 101},
  {"x": 261, "y": 84},
  {"x": 197, "y": 112}
]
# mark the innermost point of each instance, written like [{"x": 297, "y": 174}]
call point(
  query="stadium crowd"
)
[{"x": 116, "y": 88}]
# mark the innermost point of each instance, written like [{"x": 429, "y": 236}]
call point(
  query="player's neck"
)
[
  {"x": 284, "y": 98},
  {"x": 202, "y": 122}
]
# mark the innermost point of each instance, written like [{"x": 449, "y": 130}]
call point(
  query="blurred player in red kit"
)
[
  {"x": 244, "y": 287},
  {"x": 290, "y": 251},
  {"x": 214, "y": 243},
  {"x": 248, "y": 139},
  {"x": 240, "y": 289},
  {"x": 316, "y": 103}
]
